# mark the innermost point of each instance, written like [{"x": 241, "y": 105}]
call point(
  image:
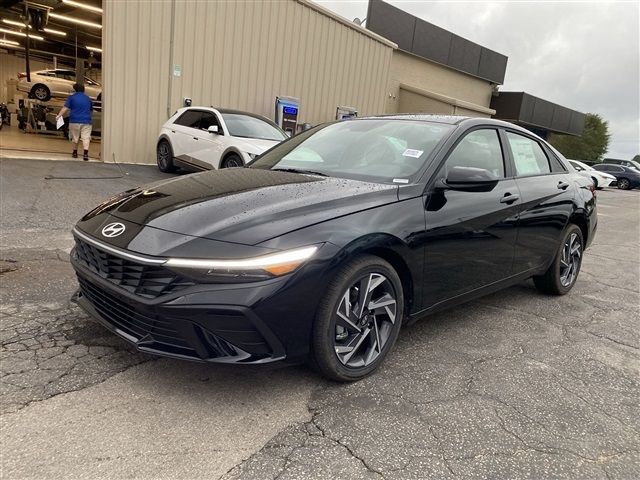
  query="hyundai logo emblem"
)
[{"x": 113, "y": 230}]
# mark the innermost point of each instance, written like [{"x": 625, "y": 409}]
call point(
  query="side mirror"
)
[
  {"x": 213, "y": 129},
  {"x": 470, "y": 179}
]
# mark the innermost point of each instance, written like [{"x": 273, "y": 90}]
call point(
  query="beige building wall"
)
[
  {"x": 231, "y": 54},
  {"x": 419, "y": 85}
]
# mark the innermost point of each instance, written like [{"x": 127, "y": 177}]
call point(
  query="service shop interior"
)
[{"x": 510, "y": 384}]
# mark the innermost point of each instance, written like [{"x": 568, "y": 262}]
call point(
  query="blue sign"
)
[{"x": 290, "y": 110}]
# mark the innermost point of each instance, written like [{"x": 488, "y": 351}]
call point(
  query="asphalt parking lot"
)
[{"x": 515, "y": 385}]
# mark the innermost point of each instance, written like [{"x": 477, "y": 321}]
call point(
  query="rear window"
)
[
  {"x": 190, "y": 118},
  {"x": 528, "y": 156}
]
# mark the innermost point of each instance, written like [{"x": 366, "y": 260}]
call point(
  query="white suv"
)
[
  {"x": 205, "y": 138},
  {"x": 56, "y": 83}
]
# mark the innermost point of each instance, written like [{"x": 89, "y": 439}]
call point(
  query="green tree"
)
[{"x": 590, "y": 146}]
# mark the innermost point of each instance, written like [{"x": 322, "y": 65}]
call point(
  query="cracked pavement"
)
[{"x": 514, "y": 385}]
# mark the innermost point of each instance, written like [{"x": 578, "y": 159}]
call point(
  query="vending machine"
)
[{"x": 287, "y": 114}]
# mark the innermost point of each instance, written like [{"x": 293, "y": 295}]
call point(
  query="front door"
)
[
  {"x": 210, "y": 146},
  {"x": 470, "y": 236}
]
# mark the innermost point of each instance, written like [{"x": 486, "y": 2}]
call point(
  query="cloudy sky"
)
[{"x": 583, "y": 55}]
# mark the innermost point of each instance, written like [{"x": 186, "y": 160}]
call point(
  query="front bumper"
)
[{"x": 205, "y": 333}]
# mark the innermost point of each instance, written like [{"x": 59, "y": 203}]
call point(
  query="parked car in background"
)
[
  {"x": 205, "y": 138},
  {"x": 624, "y": 163},
  {"x": 600, "y": 179},
  {"x": 626, "y": 177},
  {"x": 328, "y": 243},
  {"x": 56, "y": 83}
]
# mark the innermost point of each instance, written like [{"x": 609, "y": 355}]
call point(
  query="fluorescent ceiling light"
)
[
  {"x": 91, "y": 8},
  {"x": 74, "y": 20},
  {"x": 13, "y": 22},
  {"x": 8, "y": 42},
  {"x": 55, "y": 32},
  {"x": 21, "y": 25},
  {"x": 20, "y": 34},
  {"x": 94, "y": 49}
]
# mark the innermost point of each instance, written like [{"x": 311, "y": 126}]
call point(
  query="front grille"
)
[
  {"x": 149, "y": 281},
  {"x": 154, "y": 333},
  {"x": 145, "y": 327}
]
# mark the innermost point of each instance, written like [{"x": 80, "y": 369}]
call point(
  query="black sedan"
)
[
  {"x": 626, "y": 177},
  {"x": 325, "y": 245}
]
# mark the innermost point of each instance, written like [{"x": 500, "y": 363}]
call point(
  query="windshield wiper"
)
[{"x": 299, "y": 170}]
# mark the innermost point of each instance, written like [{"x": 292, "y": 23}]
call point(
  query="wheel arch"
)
[
  {"x": 392, "y": 250},
  {"x": 232, "y": 150},
  {"x": 579, "y": 219}
]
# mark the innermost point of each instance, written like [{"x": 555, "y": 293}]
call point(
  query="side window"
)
[
  {"x": 479, "y": 149},
  {"x": 528, "y": 156},
  {"x": 66, "y": 74},
  {"x": 190, "y": 118},
  {"x": 207, "y": 120}
]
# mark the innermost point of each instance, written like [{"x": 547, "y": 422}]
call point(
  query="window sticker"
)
[
  {"x": 400, "y": 180},
  {"x": 412, "y": 153}
]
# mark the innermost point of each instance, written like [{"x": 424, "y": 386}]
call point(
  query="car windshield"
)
[
  {"x": 369, "y": 149},
  {"x": 251, "y": 127}
]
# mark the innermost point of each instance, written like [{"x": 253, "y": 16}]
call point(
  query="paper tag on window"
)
[{"x": 412, "y": 153}]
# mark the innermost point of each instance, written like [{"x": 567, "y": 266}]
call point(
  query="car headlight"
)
[{"x": 246, "y": 269}]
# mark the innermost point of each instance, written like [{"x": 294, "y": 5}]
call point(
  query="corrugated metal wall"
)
[
  {"x": 235, "y": 54},
  {"x": 135, "y": 75}
]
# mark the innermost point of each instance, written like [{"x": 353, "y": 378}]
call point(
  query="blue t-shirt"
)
[{"x": 80, "y": 106}]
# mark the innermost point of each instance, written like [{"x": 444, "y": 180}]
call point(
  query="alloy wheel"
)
[
  {"x": 163, "y": 154},
  {"x": 364, "y": 320},
  {"x": 40, "y": 93},
  {"x": 623, "y": 184},
  {"x": 232, "y": 162},
  {"x": 570, "y": 260}
]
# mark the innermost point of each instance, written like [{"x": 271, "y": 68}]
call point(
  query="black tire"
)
[
  {"x": 624, "y": 184},
  {"x": 41, "y": 92},
  {"x": 232, "y": 160},
  {"x": 374, "y": 331},
  {"x": 164, "y": 157},
  {"x": 561, "y": 276}
]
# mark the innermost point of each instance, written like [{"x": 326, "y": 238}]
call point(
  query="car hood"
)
[
  {"x": 241, "y": 205},
  {"x": 254, "y": 145}
]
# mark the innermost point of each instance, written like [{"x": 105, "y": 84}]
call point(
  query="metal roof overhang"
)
[{"x": 528, "y": 111}]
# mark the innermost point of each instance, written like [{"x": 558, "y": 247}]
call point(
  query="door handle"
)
[
  {"x": 562, "y": 185},
  {"x": 509, "y": 198},
  {"x": 195, "y": 138}
]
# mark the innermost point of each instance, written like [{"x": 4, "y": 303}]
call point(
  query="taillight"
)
[
  {"x": 22, "y": 75},
  {"x": 593, "y": 189}
]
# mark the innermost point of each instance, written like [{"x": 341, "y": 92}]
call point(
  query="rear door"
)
[
  {"x": 62, "y": 82},
  {"x": 470, "y": 236},
  {"x": 182, "y": 134},
  {"x": 547, "y": 191}
]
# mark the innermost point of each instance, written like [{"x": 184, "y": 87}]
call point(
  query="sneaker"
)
[{"x": 74, "y": 154}]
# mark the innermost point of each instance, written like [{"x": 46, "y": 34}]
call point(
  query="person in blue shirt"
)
[{"x": 80, "y": 106}]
